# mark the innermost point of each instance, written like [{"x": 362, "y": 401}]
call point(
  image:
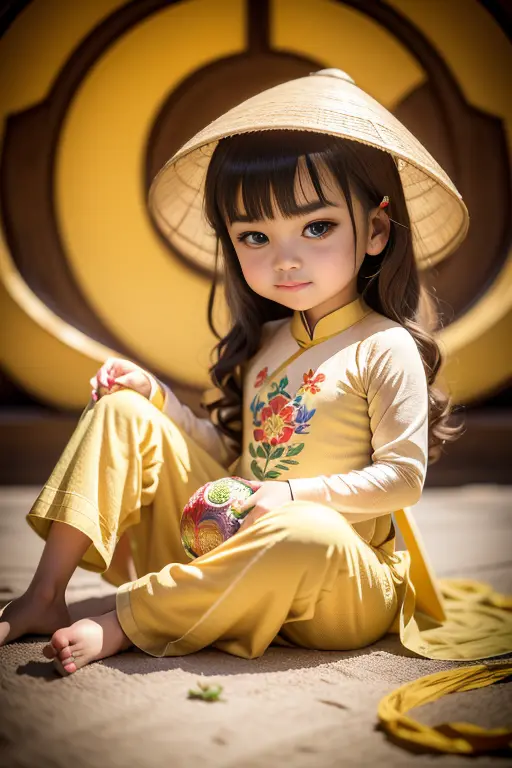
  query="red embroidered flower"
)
[
  {"x": 260, "y": 378},
  {"x": 311, "y": 382},
  {"x": 277, "y": 421}
]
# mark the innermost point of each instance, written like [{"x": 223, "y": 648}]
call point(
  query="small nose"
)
[{"x": 285, "y": 258}]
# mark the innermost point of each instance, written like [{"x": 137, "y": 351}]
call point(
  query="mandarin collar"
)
[{"x": 330, "y": 325}]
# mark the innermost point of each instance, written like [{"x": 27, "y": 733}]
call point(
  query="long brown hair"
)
[{"x": 262, "y": 166}]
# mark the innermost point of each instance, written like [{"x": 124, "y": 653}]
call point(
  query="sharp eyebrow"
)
[{"x": 303, "y": 209}]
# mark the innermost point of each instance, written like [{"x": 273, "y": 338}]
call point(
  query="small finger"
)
[
  {"x": 102, "y": 378},
  {"x": 106, "y": 379},
  {"x": 124, "y": 381},
  {"x": 106, "y": 371},
  {"x": 248, "y": 504}
]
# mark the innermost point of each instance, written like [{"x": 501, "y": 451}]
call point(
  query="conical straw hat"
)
[{"x": 325, "y": 102}]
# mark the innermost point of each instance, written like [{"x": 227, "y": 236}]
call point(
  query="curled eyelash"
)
[{"x": 242, "y": 237}]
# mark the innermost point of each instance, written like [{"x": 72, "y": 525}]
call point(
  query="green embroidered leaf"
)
[
  {"x": 260, "y": 452},
  {"x": 289, "y": 461},
  {"x": 279, "y": 392},
  {"x": 267, "y": 448},
  {"x": 252, "y": 450},
  {"x": 284, "y": 382},
  {"x": 282, "y": 466},
  {"x": 293, "y": 450},
  {"x": 277, "y": 453},
  {"x": 272, "y": 474},
  {"x": 256, "y": 470}
]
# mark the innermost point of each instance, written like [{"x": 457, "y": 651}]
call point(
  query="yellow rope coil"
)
[{"x": 455, "y": 738}]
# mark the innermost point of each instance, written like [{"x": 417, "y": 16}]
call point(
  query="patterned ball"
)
[{"x": 212, "y": 514}]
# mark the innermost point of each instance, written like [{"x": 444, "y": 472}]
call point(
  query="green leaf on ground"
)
[{"x": 206, "y": 692}]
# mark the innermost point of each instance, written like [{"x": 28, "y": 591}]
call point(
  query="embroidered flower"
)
[
  {"x": 260, "y": 378},
  {"x": 256, "y": 406},
  {"x": 277, "y": 422},
  {"x": 302, "y": 418},
  {"x": 311, "y": 382}
]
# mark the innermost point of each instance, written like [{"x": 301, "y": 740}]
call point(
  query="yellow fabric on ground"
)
[
  {"x": 455, "y": 738},
  {"x": 475, "y": 616},
  {"x": 477, "y": 625}
]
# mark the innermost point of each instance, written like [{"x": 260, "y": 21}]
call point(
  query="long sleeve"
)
[
  {"x": 392, "y": 379},
  {"x": 202, "y": 431}
]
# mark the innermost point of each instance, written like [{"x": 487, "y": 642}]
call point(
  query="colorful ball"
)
[{"x": 213, "y": 514}]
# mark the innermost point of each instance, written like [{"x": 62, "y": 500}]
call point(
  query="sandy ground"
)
[{"x": 301, "y": 708}]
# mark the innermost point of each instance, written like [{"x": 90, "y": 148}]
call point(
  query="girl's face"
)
[{"x": 307, "y": 262}]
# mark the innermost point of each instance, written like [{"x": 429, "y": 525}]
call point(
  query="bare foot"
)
[
  {"x": 33, "y": 613},
  {"x": 86, "y": 640}
]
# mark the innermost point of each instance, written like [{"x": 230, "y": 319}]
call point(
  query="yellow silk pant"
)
[{"x": 300, "y": 575}]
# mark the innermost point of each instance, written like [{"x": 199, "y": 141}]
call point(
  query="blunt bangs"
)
[{"x": 260, "y": 170}]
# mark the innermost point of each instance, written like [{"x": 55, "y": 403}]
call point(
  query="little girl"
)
[{"x": 320, "y": 203}]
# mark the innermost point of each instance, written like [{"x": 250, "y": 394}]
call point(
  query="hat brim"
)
[{"x": 328, "y": 105}]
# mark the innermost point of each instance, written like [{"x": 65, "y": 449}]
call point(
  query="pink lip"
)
[{"x": 292, "y": 286}]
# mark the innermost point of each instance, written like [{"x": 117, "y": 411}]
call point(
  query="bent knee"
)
[
  {"x": 125, "y": 402},
  {"x": 301, "y": 521}
]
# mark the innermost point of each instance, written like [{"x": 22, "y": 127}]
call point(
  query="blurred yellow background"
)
[{"x": 101, "y": 76}]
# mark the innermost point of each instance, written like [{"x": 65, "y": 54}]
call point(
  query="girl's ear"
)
[{"x": 378, "y": 232}]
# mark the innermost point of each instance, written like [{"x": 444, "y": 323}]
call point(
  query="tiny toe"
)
[
  {"x": 70, "y": 666},
  {"x": 65, "y": 654},
  {"x": 59, "y": 640},
  {"x": 63, "y": 671}
]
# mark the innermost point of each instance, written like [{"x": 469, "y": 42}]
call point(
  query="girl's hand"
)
[
  {"x": 116, "y": 374},
  {"x": 270, "y": 494}
]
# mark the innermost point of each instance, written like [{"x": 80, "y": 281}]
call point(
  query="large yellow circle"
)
[
  {"x": 54, "y": 361},
  {"x": 144, "y": 295}
]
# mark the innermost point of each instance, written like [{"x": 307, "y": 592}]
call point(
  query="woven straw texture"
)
[{"x": 326, "y": 102}]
